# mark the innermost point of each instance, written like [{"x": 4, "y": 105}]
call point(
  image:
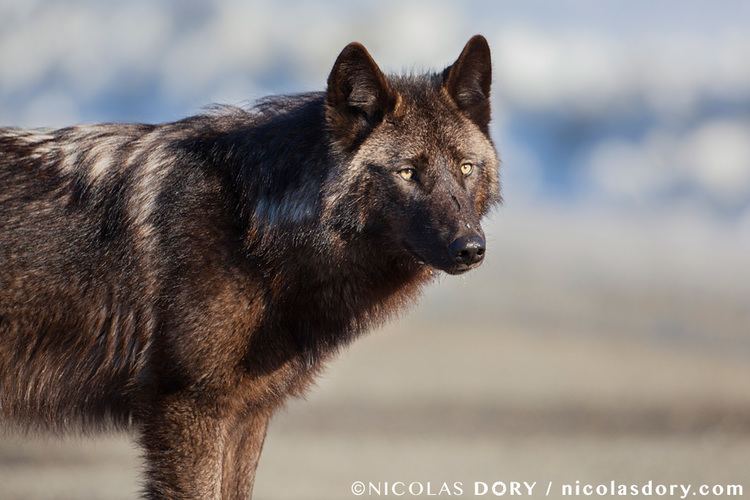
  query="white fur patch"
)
[
  {"x": 292, "y": 208},
  {"x": 100, "y": 166},
  {"x": 149, "y": 176},
  {"x": 100, "y": 157},
  {"x": 71, "y": 154}
]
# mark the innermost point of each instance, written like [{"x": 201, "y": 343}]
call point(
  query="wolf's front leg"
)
[
  {"x": 242, "y": 454},
  {"x": 184, "y": 444}
]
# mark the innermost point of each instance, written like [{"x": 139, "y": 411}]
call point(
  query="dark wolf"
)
[{"x": 184, "y": 279}]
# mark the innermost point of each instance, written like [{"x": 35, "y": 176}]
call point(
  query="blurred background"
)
[{"x": 607, "y": 336}]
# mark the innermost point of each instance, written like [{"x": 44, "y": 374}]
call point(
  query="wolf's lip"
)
[
  {"x": 461, "y": 269},
  {"x": 452, "y": 270},
  {"x": 415, "y": 255}
]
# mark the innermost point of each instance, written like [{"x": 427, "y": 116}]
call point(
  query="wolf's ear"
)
[
  {"x": 468, "y": 81},
  {"x": 358, "y": 95}
]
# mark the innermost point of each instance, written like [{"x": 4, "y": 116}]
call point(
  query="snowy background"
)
[{"x": 630, "y": 104}]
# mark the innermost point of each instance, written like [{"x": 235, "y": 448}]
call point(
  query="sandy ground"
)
[{"x": 618, "y": 353}]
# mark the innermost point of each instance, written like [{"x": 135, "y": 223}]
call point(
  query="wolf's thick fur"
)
[{"x": 184, "y": 279}]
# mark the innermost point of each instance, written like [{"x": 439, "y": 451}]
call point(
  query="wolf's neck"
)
[{"x": 336, "y": 300}]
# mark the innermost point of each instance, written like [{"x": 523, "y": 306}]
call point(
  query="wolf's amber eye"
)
[
  {"x": 467, "y": 168},
  {"x": 406, "y": 173}
]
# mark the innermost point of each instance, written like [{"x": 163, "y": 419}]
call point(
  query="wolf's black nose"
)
[{"x": 467, "y": 249}]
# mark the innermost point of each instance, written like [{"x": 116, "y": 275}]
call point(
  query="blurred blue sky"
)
[{"x": 637, "y": 105}]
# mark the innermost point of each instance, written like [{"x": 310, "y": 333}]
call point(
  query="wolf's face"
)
[{"x": 422, "y": 170}]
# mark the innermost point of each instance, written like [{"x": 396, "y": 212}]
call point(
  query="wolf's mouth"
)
[
  {"x": 454, "y": 270},
  {"x": 460, "y": 269}
]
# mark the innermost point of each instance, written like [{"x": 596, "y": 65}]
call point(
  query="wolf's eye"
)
[
  {"x": 467, "y": 168},
  {"x": 406, "y": 173}
]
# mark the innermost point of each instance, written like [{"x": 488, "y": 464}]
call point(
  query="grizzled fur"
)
[{"x": 184, "y": 279}]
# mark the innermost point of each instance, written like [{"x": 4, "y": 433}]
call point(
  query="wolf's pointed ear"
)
[
  {"x": 358, "y": 95},
  {"x": 468, "y": 81}
]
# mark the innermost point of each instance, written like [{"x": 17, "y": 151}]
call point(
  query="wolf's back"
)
[{"x": 75, "y": 209}]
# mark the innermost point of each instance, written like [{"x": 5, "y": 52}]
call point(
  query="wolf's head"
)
[{"x": 418, "y": 169}]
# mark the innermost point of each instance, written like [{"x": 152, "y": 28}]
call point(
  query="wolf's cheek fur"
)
[{"x": 487, "y": 188}]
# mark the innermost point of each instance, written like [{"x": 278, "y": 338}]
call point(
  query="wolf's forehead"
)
[
  {"x": 422, "y": 99},
  {"x": 426, "y": 106},
  {"x": 440, "y": 128},
  {"x": 427, "y": 124}
]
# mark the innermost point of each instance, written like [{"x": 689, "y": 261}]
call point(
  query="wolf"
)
[{"x": 184, "y": 279}]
